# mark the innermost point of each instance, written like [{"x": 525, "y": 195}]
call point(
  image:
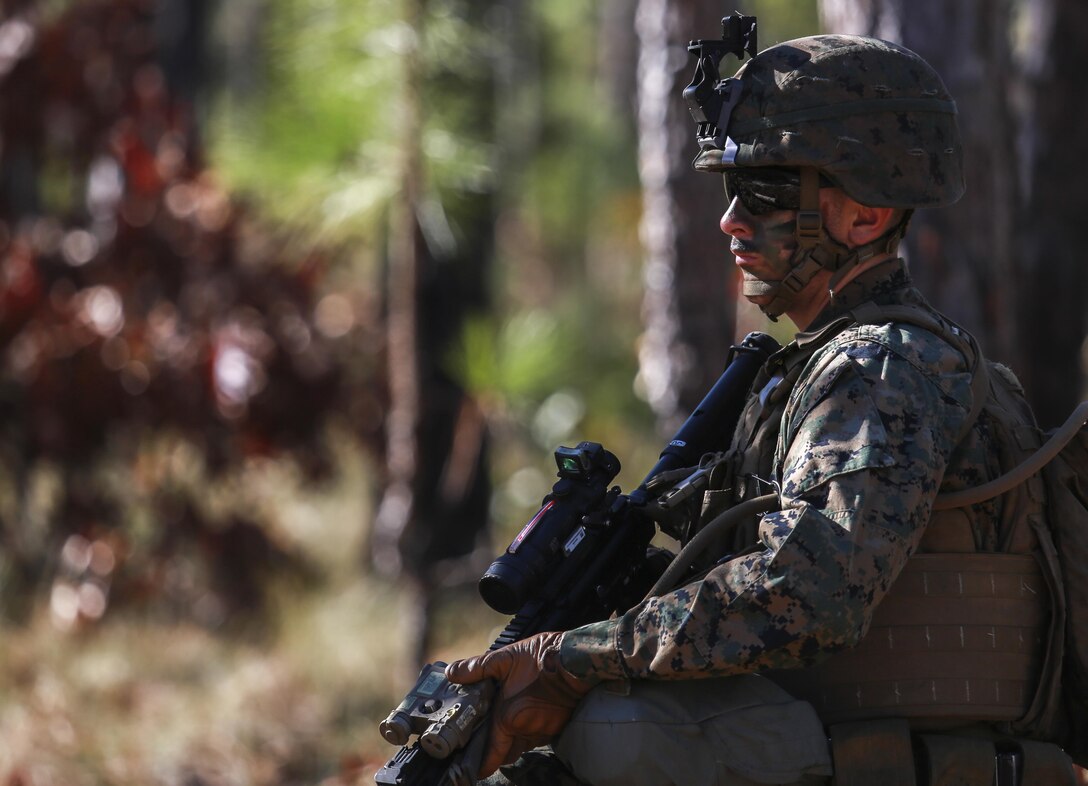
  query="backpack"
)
[
  {"x": 1052, "y": 467},
  {"x": 1065, "y": 542}
]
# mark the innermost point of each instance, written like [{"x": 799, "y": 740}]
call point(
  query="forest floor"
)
[
  {"x": 127, "y": 702},
  {"x": 149, "y": 699}
]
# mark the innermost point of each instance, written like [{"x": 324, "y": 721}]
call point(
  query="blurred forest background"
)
[{"x": 297, "y": 297}]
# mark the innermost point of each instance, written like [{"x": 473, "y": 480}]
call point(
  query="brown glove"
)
[{"x": 535, "y": 700}]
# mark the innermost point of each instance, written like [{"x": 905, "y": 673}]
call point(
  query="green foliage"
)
[
  {"x": 312, "y": 139},
  {"x": 308, "y": 137},
  {"x": 514, "y": 108},
  {"x": 782, "y": 20},
  {"x": 585, "y": 157},
  {"x": 519, "y": 359}
]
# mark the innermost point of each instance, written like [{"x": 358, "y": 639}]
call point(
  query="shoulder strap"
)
[
  {"x": 1018, "y": 474},
  {"x": 873, "y": 314},
  {"x": 870, "y": 313}
]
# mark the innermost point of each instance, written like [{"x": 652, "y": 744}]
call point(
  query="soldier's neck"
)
[{"x": 821, "y": 290}]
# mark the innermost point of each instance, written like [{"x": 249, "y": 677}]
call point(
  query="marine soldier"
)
[{"x": 856, "y": 600}]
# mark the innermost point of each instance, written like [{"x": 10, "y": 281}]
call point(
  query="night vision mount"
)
[{"x": 710, "y": 98}]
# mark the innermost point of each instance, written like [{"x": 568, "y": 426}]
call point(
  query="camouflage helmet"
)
[{"x": 872, "y": 116}]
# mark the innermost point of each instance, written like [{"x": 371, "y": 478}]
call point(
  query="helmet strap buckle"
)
[{"x": 810, "y": 224}]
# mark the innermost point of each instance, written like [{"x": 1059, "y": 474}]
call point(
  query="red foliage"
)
[{"x": 133, "y": 293}]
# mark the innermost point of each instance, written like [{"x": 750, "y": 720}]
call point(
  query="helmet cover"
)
[{"x": 871, "y": 115}]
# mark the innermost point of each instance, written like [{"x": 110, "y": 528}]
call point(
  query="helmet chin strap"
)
[{"x": 817, "y": 250}]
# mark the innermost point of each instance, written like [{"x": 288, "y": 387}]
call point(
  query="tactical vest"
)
[{"x": 962, "y": 635}]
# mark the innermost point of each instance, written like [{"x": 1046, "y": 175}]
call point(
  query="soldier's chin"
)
[
  {"x": 758, "y": 292},
  {"x": 759, "y": 300}
]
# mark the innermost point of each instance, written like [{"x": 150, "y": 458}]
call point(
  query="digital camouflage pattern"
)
[
  {"x": 872, "y": 115},
  {"x": 866, "y": 439}
]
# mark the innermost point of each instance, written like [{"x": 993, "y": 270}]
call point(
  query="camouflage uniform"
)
[
  {"x": 869, "y": 426},
  {"x": 866, "y": 437}
]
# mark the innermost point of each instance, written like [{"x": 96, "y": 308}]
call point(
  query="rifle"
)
[{"x": 580, "y": 559}]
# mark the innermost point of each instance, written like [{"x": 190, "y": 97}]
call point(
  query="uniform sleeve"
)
[{"x": 863, "y": 449}]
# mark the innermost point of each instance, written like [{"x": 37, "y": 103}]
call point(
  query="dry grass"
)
[
  {"x": 147, "y": 704},
  {"x": 133, "y": 700},
  {"x": 130, "y": 703}
]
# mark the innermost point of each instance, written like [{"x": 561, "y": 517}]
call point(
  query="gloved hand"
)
[{"x": 535, "y": 699}]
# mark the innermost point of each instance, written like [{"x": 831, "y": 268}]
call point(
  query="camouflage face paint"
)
[{"x": 765, "y": 255}]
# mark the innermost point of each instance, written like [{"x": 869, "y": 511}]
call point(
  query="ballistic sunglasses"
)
[{"x": 764, "y": 190}]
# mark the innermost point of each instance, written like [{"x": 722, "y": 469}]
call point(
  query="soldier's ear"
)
[{"x": 864, "y": 223}]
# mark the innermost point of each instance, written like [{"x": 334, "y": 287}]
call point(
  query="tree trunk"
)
[
  {"x": 437, "y": 488},
  {"x": 1051, "y": 286},
  {"x": 688, "y": 309},
  {"x": 397, "y": 505}
]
